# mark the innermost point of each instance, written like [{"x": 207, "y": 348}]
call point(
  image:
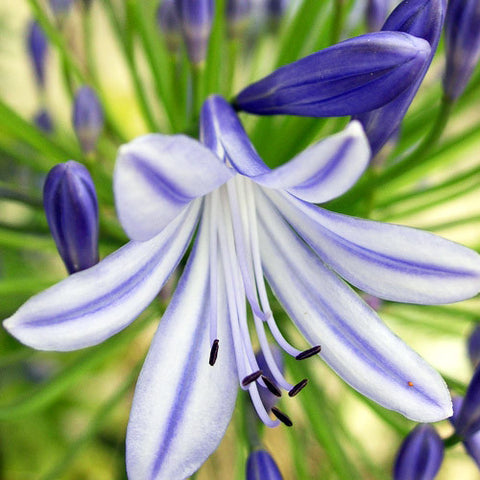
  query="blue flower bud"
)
[
  {"x": 37, "y": 47},
  {"x": 462, "y": 44},
  {"x": 261, "y": 466},
  {"x": 43, "y": 121},
  {"x": 473, "y": 346},
  {"x": 196, "y": 17},
  {"x": 420, "y": 455},
  {"x": 70, "y": 203},
  {"x": 61, "y": 7},
  {"x": 268, "y": 398},
  {"x": 238, "y": 14},
  {"x": 423, "y": 19},
  {"x": 87, "y": 118},
  {"x": 354, "y": 76},
  {"x": 468, "y": 421},
  {"x": 376, "y": 13},
  {"x": 472, "y": 443},
  {"x": 276, "y": 8},
  {"x": 169, "y": 23}
]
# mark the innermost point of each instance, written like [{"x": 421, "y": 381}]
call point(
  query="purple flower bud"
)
[
  {"x": 354, "y": 76},
  {"x": 43, "y": 121},
  {"x": 376, "y": 13},
  {"x": 420, "y": 455},
  {"x": 37, "y": 48},
  {"x": 169, "y": 23},
  {"x": 87, "y": 118},
  {"x": 268, "y": 398},
  {"x": 61, "y": 7},
  {"x": 238, "y": 14},
  {"x": 423, "y": 19},
  {"x": 276, "y": 8},
  {"x": 472, "y": 443},
  {"x": 462, "y": 44},
  {"x": 196, "y": 17},
  {"x": 261, "y": 466},
  {"x": 71, "y": 208},
  {"x": 473, "y": 346},
  {"x": 468, "y": 421}
]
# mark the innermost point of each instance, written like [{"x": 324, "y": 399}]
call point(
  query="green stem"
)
[{"x": 452, "y": 440}]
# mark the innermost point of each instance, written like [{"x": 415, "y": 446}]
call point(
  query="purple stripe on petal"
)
[
  {"x": 325, "y": 170},
  {"x": 182, "y": 404},
  {"x": 355, "y": 342},
  {"x": 389, "y": 261},
  {"x": 156, "y": 176},
  {"x": 94, "y": 304}
]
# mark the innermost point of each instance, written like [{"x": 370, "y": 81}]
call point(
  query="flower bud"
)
[
  {"x": 87, "y": 118},
  {"x": 70, "y": 203},
  {"x": 169, "y": 23},
  {"x": 238, "y": 14},
  {"x": 354, "y": 76},
  {"x": 196, "y": 17},
  {"x": 276, "y": 8},
  {"x": 37, "y": 47},
  {"x": 261, "y": 466},
  {"x": 423, "y": 19},
  {"x": 468, "y": 421},
  {"x": 268, "y": 398},
  {"x": 472, "y": 443},
  {"x": 462, "y": 45},
  {"x": 43, "y": 121},
  {"x": 420, "y": 455},
  {"x": 473, "y": 346}
]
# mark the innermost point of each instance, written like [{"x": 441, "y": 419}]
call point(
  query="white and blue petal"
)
[
  {"x": 94, "y": 304},
  {"x": 324, "y": 171},
  {"x": 156, "y": 176},
  {"x": 182, "y": 405},
  {"x": 389, "y": 261},
  {"x": 355, "y": 342}
]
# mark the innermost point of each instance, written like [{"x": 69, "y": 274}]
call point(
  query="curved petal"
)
[
  {"x": 223, "y": 133},
  {"x": 389, "y": 261},
  {"x": 324, "y": 171},
  {"x": 355, "y": 342},
  {"x": 182, "y": 405},
  {"x": 94, "y": 304},
  {"x": 156, "y": 176}
]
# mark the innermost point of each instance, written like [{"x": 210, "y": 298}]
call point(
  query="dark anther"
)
[
  {"x": 213, "y": 353},
  {"x": 297, "y": 388},
  {"x": 309, "y": 353},
  {"x": 282, "y": 416},
  {"x": 251, "y": 378},
  {"x": 271, "y": 386}
]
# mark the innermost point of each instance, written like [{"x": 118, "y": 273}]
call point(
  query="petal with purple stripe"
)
[
  {"x": 355, "y": 342},
  {"x": 182, "y": 405},
  {"x": 389, "y": 261},
  {"x": 156, "y": 176},
  {"x": 324, "y": 171},
  {"x": 94, "y": 304}
]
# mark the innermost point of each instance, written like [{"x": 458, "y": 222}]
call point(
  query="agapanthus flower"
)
[
  {"x": 472, "y": 442},
  {"x": 254, "y": 223}
]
